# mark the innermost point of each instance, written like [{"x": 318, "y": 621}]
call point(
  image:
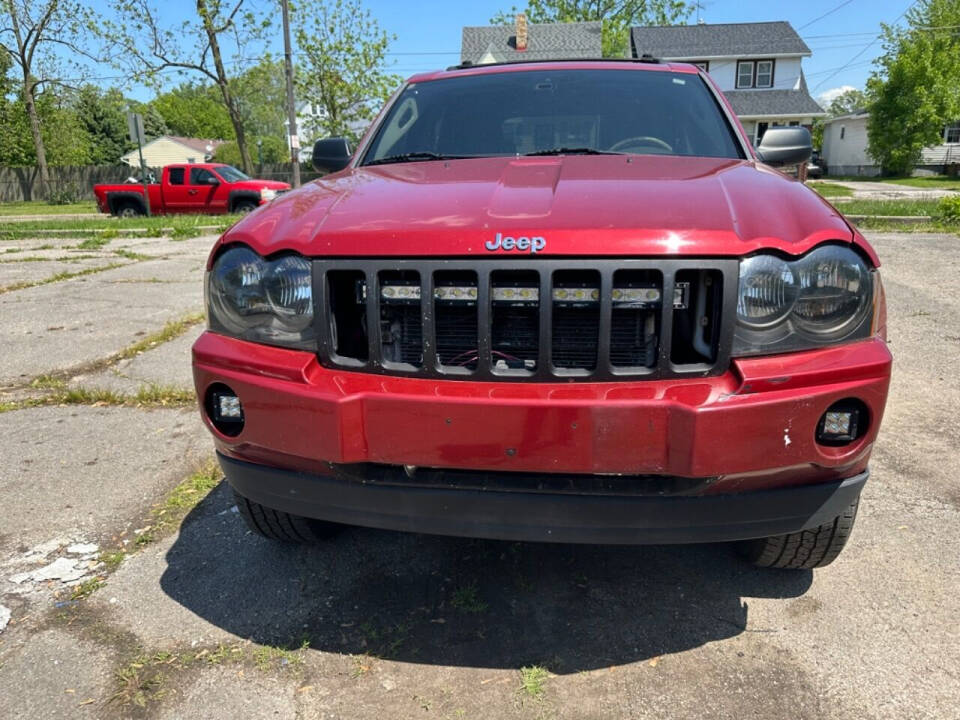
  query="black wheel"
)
[
  {"x": 278, "y": 525},
  {"x": 244, "y": 206},
  {"x": 128, "y": 210},
  {"x": 805, "y": 550}
]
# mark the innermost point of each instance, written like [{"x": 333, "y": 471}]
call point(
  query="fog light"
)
[
  {"x": 224, "y": 409},
  {"x": 842, "y": 423},
  {"x": 229, "y": 407}
]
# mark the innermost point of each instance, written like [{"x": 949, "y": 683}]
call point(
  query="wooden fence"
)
[{"x": 76, "y": 183}]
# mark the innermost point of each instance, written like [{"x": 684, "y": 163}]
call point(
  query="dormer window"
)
[{"x": 754, "y": 74}]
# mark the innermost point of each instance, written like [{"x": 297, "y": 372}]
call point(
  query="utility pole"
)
[{"x": 291, "y": 108}]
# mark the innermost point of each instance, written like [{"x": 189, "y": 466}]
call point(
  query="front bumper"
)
[
  {"x": 342, "y": 497},
  {"x": 751, "y": 428}
]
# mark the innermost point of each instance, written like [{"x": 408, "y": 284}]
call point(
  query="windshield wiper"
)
[
  {"x": 414, "y": 157},
  {"x": 573, "y": 151}
]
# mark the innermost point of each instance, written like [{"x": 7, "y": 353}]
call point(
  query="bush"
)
[
  {"x": 64, "y": 194},
  {"x": 948, "y": 210}
]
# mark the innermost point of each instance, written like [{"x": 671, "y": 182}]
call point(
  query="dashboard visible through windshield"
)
[{"x": 543, "y": 112}]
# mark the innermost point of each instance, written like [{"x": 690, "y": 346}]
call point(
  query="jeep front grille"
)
[{"x": 526, "y": 319}]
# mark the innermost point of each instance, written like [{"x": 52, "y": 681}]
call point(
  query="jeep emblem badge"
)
[{"x": 532, "y": 245}]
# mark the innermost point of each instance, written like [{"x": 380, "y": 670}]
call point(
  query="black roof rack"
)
[{"x": 645, "y": 58}]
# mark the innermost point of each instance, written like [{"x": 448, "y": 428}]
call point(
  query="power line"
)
[
  {"x": 872, "y": 42},
  {"x": 829, "y": 12}
]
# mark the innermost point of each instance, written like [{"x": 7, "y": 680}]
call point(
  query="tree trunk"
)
[
  {"x": 35, "y": 131},
  {"x": 223, "y": 84}
]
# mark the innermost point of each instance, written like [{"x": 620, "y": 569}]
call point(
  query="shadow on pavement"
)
[{"x": 454, "y": 601}]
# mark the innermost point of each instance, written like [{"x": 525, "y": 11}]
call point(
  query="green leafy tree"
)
[
  {"x": 102, "y": 114},
  {"x": 617, "y": 16},
  {"x": 341, "y": 64},
  {"x": 271, "y": 149},
  {"x": 850, "y": 101},
  {"x": 194, "y": 110},
  {"x": 153, "y": 123},
  {"x": 915, "y": 89},
  {"x": 144, "y": 44},
  {"x": 45, "y": 43},
  {"x": 262, "y": 96}
]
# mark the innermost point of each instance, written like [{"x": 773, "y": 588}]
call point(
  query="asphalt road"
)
[{"x": 210, "y": 621}]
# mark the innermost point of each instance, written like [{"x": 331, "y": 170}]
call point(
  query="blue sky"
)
[{"x": 428, "y": 31}]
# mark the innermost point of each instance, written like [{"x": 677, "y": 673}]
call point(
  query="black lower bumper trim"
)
[{"x": 545, "y": 517}]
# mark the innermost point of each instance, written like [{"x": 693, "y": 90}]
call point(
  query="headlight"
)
[
  {"x": 823, "y": 298},
  {"x": 266, "y": 301},
  {"x": 267, "y": 193}
]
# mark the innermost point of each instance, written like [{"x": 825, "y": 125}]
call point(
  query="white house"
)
[
  {"x": 845, "y": 148},
  {"x": 170, "y": 149},
  {"x": 758, "y": 66}
]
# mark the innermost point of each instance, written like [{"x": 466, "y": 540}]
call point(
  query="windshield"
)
[
  {"x": 231, "y": 174},
  {"x": 553, "y": 112}
]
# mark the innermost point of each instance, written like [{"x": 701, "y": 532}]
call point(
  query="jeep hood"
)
[{"x": 580, "y": 205}]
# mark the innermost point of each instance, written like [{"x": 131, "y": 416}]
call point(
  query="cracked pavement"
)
[{"x": 210, "y": 621}]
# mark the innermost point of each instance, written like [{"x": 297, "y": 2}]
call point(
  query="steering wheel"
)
[{"x": 641, "y": 141}]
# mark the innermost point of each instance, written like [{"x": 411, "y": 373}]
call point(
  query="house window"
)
[
  {"x": 761, "y": 130},
  {"x": 764, "y": 78},
  {"x": 176, "y": 176},
  {"x": 703, "y": 65},
  {"x": 951, "y": 133},
  {"x": 843, "y": 131},
  {"x": 755, "y": 74}
]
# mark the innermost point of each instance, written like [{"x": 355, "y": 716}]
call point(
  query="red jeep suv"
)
[{"x": 551, "y": 301}]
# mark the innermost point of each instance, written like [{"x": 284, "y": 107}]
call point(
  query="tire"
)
[
  {"x": 804, "y": 550},
  {"x": 244, "y": 206},
  {"x": 278, "y": 525},
  {"x": 128, "y": 210}
]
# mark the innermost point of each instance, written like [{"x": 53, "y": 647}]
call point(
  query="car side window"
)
[
  {"x": 176, "y": 176},
  {"x": 201, "y": 176}
]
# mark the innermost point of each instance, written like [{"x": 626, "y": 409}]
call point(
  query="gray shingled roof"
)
[
  {"x": 705, "y": 41},
  {"x": 747, "y": 103},
  {"x": 545, "y": 41}
]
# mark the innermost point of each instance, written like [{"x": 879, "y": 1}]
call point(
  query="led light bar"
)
[
  {"x": 400, "y": 292},
  {"x": 636, "y": 295},
  {"x": 458, "y": 293},
  {"x": 576, "y": 295},
  {"x": 516, "y": 294}
]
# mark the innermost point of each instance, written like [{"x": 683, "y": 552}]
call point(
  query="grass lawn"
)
[
  {"x": 888, "y": 207},
  {"x": 935, "y": 182},
  {"x": 830, "y": 190},
  {"x": 106, "y": 227},
  {"x": 41, "y": 207}
]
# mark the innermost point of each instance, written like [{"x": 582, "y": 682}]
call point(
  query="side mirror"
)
[
  {"x": 785, "y": 146},
  {"x": 331, "y": 154},
  {"x": 212, "y": 181}
]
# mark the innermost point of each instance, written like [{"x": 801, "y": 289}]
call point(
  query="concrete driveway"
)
[{"x": 111, "y": 610}]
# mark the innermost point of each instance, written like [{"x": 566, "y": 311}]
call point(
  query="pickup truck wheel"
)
[
  {"x": 128, "y": 210},
  {"x": 804, "y": 550},
  {"x": 278, "y": 525},
  {"x": 244, "y": 206}
]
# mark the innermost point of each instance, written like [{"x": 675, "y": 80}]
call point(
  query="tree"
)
[
  {"x": 261, "y": 94},
  {"x": 195, "y": 110},
  {"x": 36, "y": 35},
  {"x": 341, "y": 70},
  {"x": 102, "y": 114},
  {"x": 850, "y": 101},
  {"x": 915, "y": 89},
  {"x": 617, "y": 16},
  {"x": 271, "y": 149},
  {"x": 147, "y": 47},
  {"x": 153, "y": 123}
]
